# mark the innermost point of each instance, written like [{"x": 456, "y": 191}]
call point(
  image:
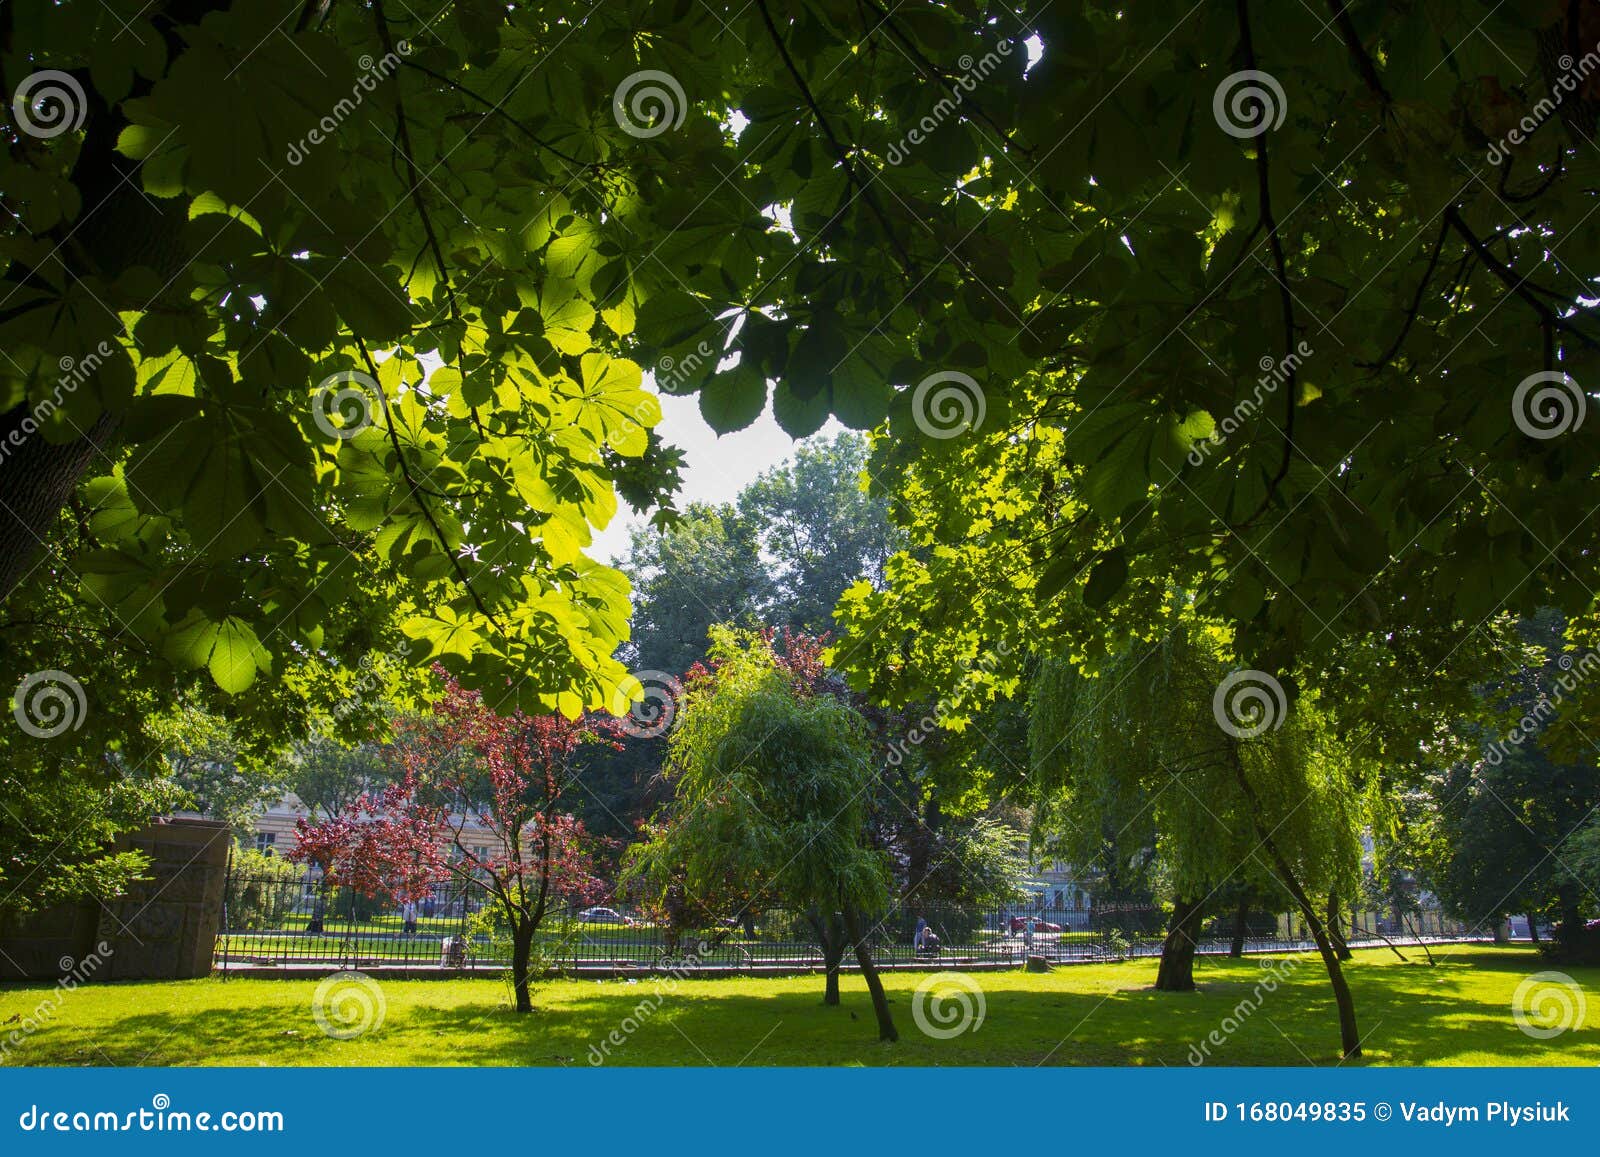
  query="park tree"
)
[
  {"x": 820, "y": 529},
  {"x": 543, "y": 198},
  {"x": 1508, "y": 809},
  {"x": 331, "y": 329},
  {"x": 506, "y": 776},
  {"x": 329, "y": 777},
  {"x": 769, "y": 773},
  {"x": 220, "y": 777},
  {"x": 1238, "y": 789}
]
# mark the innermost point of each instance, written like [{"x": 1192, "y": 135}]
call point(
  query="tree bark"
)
[
  {"x": 119, "y": 228},
  {"x": 880, "y": 1002},
  {"x": 1570, "y": 932},
  {"x": 1241, "y": 928},
  {"x": 1336, "y": 927},
  {"x": 831, "y": 937},
  {"x": 521, "y": 954},
  {"x": 1176, "y": 972},
  {"x": 1533, "y": 929}
]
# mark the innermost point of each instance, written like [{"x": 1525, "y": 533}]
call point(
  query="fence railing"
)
[{"x": 292, "y": 918}]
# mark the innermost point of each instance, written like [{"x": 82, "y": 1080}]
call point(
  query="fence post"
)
[{"x": 227, "y": 889}]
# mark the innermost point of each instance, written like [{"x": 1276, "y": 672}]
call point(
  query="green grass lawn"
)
[{"x": 1457, "y": 1013}]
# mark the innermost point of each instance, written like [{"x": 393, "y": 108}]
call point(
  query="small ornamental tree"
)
[
  {"x": 465, "y": 769},
  {"x": 771, "y": 776}
]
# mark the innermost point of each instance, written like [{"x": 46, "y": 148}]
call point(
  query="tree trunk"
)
[
  {"x": 831, "y": 937},
  {"x": 1336, "y": 927},
  {"x": 880, "y": 1002},
  {"x": 1241, "y": 928},
  {"x": 521, "y": 954},
  {"x": 1176, "y": 973},
  {"x": 1349, "y": 1037},
  {"x": 119, "y": 228},
  {"x": 1533, "y": 929},
  {"x": 1569, "y": 933}
]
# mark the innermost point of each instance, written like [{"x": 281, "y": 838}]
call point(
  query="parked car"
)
[
  {"x": 1592, "y": 926},
  {"x": 1018, "y": 923},
  {"x": 605, "y": 916}
]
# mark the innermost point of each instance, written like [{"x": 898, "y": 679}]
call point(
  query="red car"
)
[{"x": 1018, "y": 923}]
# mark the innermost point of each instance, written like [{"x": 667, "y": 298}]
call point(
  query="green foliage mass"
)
[{"x": 771, "y": 783}]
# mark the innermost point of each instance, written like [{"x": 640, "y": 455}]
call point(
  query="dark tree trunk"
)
[
  {"x": 1569, "y": 933},
  {"x": 119, "y": 228},
  {"x": 1533, "y": 929},
  {"x": 831, "y": 937},
  {"x": 1336, "y": 927},
  {"x": 1241, "y": 927},
  {"x": 880, "y": 1002},
  {"x": 1176, "y": 973},
  {"x": 521, "y": 954}
]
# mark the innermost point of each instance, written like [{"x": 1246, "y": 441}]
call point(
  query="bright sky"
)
[{"x": 715, "y": 469}]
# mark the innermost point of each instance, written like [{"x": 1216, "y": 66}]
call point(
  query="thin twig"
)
[{"x": 838, "y": 148}]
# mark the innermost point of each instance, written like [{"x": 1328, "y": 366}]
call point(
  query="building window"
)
[{"x": 264, "y": 842}]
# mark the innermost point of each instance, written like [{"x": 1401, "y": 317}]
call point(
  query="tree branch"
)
[
  {"x": 838, "y": 148},
  {"x": 1515, "y": 282},
  {"x": 416, "y": 491},
  {"x": 1416, "y": 303},
  {"x": 1358, "y": 52}
]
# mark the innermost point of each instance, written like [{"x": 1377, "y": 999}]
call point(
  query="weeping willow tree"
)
[
  {"x": 1163, "y": 743},
  {"x": 771, "y": 775}
]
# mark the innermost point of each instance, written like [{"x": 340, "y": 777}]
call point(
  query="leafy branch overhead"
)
[{"x": 1239, "y": 298}]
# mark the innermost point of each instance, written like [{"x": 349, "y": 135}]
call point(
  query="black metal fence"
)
[{"x": 292, "y": 917}]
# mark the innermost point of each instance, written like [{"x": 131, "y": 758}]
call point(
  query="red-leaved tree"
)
[{"x": 479, "y": 797}]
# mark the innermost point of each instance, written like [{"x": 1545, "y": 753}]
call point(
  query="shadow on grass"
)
[{"x": 1409, "y": 1014}]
